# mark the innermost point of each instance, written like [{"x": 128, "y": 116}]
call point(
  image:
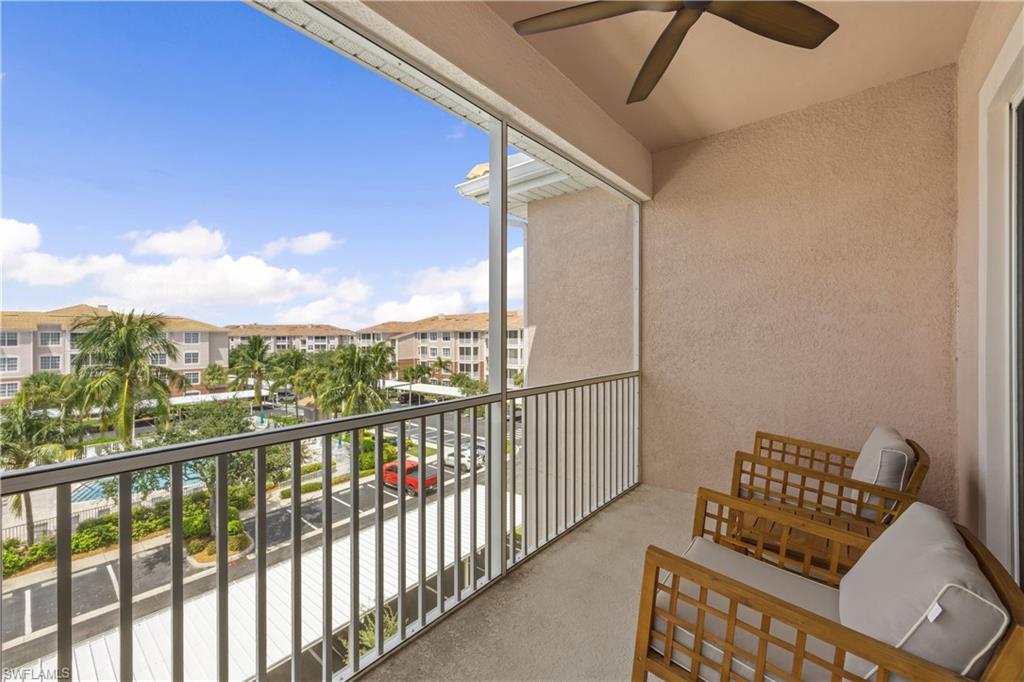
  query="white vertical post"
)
[
  {"x": 497, "y": 338},
  {"x": 637, "y": 339}
]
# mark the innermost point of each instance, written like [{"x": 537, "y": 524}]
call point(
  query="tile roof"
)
[
  {"x": 66, "y": 317},
  {"x": 392, "y": 327},
  {"x": 287, "y": 330},
  {"x": 465, "y": 322}
]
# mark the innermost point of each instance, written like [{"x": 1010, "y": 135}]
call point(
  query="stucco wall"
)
[
  {"x": 798, "y": 277},
  {"x": 991, "y": 25},
  {"x": 579, "y": 310}
]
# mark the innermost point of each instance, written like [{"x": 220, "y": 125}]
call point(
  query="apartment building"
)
[
  {"x": 46, "y": 342},
  {"x": 309, "y": 338},
  {"x": 463, "y": 341}
]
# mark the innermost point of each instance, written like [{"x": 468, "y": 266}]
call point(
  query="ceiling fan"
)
[{"x": 786, "y": 21}]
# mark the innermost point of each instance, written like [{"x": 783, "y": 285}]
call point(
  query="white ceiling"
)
[{"x": 724, "y": 77}]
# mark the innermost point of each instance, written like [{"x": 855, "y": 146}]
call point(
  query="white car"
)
[{"x": 465, "y": 460}]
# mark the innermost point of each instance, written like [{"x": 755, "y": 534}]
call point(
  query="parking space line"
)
[
  {"x": 308, "y": 523},
  {"x": 28, "y": 610},
  {"x": 113, "y": 580}
]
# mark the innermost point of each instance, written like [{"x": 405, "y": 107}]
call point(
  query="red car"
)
[{"x": 412, "y": 477}]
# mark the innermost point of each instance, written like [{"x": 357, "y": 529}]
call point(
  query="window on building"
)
[
  {"x": 8, "y": 364},
  {"x": 422, "y": 350},
  {"x": 8, "y": 338},
  {"x": 513, "y": 355},
  {"x": 423, "y": 336},
  {"x": 433, "y": 336},
  {"x": 158, "y": 358},
  {"x": 433, "y": 352},
  {"x": 75, "y": 338},
  {"x": 49, "y": 338},
  {"x": 467, "y": 368},
  {"x": 49, "y": 362},
  {"x": 8, "y": 389},
  {"x": 191, "y": 337},
  {"x": 446, "y": 352},
  {"x": 192, "y": 358},
  {"x": 192, "y": 377},
  {"x": 446, "y": 336}
]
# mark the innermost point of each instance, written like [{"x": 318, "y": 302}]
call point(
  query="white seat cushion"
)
[
  {"x": 793, "y": 588},
  {"x": 919, "y": 588},
  {"x": 886, "y": 459}
]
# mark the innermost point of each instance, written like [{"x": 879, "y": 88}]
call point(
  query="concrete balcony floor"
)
[{"x": 567, "y": 614}]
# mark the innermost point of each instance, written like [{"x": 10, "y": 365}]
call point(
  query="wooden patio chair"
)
[{"x": 924, "y": 601}]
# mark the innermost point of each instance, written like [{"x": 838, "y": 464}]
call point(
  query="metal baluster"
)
[
  {"x": 440, "y": 514},
  {"x": 526, "y": 475},
  {"x": 296, "y": 509},
  {"x": 400, "y": 485},
  {"x": 458, "y": 506},
  {"x": 355, "y": 442},
  {"x": 63, "y": 586},
  {"x": 547, "y": 467},
  {"x": 536, "y": 472},
  {"x": 222, "y": 566},
  {"x": 327, "y": 531},
  {"x": 488, "y": 536},
  {"x": 124, "y": 578},
  {"x": 559, "y": 480},
  {"x": 472, "y": 498},
  {"x": 378, "y": 519},
  {"x": 261, "y": 563},
  {"x": 422, "y": 529},
  {"x": 177, "y": 578},
  {"x": 512, "y": 489}
]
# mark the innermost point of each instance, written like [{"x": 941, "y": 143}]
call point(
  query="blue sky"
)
[{"x": 202, "y": 159}]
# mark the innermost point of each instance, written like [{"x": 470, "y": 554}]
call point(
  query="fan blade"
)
[
  {"x": 586, "y": 13},
  {"x": 661, "y": 54},
  {"x": 793, "y": 23}
]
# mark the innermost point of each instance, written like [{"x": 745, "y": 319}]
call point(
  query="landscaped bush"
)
[
  {"x": 235, "y": 527},
  {"x": 17, "y": 557},
  {"x": 314, "y": 485},
  {"x": 196, "y": 545},
  {"x": 241, "y": 495},
  {"x": 237, "y": 542}
]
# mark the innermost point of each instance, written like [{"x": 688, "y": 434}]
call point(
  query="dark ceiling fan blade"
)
[
  {"x": 586, "y": 13},
  {"x": 787, "y": 21},
  {"x": 662, "y": 53}
]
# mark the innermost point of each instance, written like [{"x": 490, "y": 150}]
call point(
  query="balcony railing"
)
[{"x": 551, "y": 457}]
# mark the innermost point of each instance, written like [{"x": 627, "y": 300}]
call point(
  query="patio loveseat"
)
[{"x": 924, "y": 600}]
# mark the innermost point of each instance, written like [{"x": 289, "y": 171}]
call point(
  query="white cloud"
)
[
  {"x": 419, "y": 306},
  {"x": 18, "y": 237},
  {"x": 193, "y": 240},
  {"x": 341, "y": 307},
  {"x": 44, "y": 269},
  {"x": 452, "y": 290},
  {"x": 303, "y": 245},
  {"x": 201, "y": 281},
  {"x": 472, "y": 281}
]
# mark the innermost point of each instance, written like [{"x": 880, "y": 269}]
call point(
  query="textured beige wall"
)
[
  {"x": 992, "y": 24},
  {"x": 579, "y": 294},
  {"x": 798, "y": 277}
]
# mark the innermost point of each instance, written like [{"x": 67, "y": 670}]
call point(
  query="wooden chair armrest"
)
[
  {"x": 778, "y": 535},
  {"x": 756, "y": 477},
  {"x": 770, "y": 609}
]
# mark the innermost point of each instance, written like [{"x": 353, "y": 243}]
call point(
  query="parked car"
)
[
  {"x": 411, "y": 484},
  {"x": 465, "y": 460}
]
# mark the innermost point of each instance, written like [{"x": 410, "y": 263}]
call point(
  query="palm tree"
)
[
  {"x": 27, "y": 439},
  {"x": 285, "y": 365},
  {"x": 310, "y": 379},
  {"x": 353, "y": 384},
  {"x": 216, "y": 375},
  {"x": 252, "y": 362},
  {"x": 415, "y": 373},
  {"x": 441, "y": 366},
  {"x": 116, "y": 362}
]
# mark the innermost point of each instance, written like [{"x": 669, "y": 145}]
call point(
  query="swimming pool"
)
[{"x": 96, "y": 490}]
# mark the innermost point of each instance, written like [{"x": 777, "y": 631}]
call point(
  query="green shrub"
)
[
  {"x": 237, "y": 542},
  {"x": 235, "y": 527},
  {"x": 196, "y": 545},
  {"x": 233, "y": 514},
  {"x": 241, "y": 495}
]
